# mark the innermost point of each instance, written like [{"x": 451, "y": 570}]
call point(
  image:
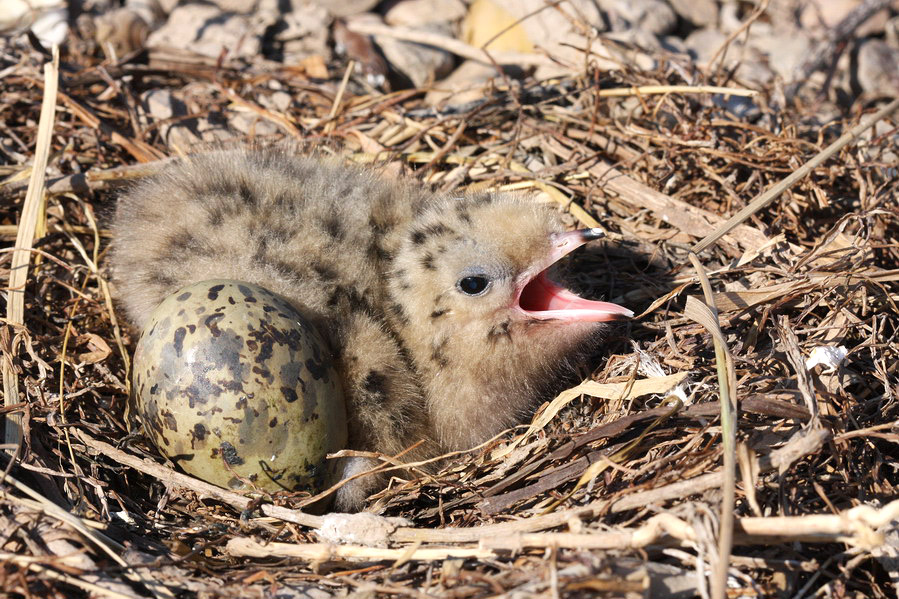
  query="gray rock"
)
[
  {"x": 703, "y": 43},
  {"x": 120, "y": 32},
  {"x": 702, "y": 13},
  {"x": 346, "y": 8},
  {"x": 206, "y": 30},
  {"x": 153, "y": 12},
  {"x": 817, "y": 13},
  {"x": 303, "y": 32},
  {"x": 784, "y": 53},
  {"x": 650, "y": 16},
  {"x": 47, "y": 19},
  {"x": 466, "y": 84},
  {"x": 419, "y": 63},
  {"x": 278, "y": 101},
  {"x": 876, "y": 68},
  {"x": 891, "y": 32},
  {"x": 417, "y": 13},
  {"x": 160, "y": 105},
  {"x": 751, "y": 64},
  {"x": 252, "y": 125},
  {"x": 185, "y": 134}
]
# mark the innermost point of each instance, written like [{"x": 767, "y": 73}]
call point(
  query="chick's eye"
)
[{"x": 473, "y": 285}]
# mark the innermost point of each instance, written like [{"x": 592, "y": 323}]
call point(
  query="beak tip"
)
[{"x": 592, "y": 234}]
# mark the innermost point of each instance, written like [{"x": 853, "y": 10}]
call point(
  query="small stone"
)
[
  {"x": 16, "y": 15},
  {"x": 828, "y": 13},
  {"x": 208, "y": 31},
  {"x": 703, "y": 43},
  {"x": 416, "y": 13},
  {"x": 52, "y": 28},
  {"x": 166, "y": 6},
  {"x": 785, "y": 53},
  {"x": 252, "y": 125},
  {"x": 490, "y": 24},
  {"x": 47, "y": 19},
  {"x": 465, "y": 84},
  {"x": 673, "y": 44},
  {"x": 302, "y": 33},
  {"x": 185, "y": 133},
  {"x": 279, "y": 101},
  {"x": 120, "y": 32},
  {"x": 876, "y": 68},
  {"x": 702, "y": 13},
  {"x": 152, "y": 12},
  {"x": 751, "y": 64},
  {"x": 314, "y": 67},
  {"x": 347, "y": 8},
  {"x": 161, "y": 105},
  {"x": 419, "y": 63},
  {"x": 649, "y": 16}
]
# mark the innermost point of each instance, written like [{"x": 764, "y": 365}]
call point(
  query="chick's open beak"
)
[{"x": 540, "y": 298}]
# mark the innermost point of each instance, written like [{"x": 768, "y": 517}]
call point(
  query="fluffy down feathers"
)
[{"x": 418, "y": 293}]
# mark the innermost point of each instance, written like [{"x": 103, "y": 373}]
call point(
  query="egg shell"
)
[{"x": 236, "y": 386}]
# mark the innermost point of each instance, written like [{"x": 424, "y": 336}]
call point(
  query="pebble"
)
[
  {"x": 206, "y": 30},
  {"x": 418, "y": 13}
]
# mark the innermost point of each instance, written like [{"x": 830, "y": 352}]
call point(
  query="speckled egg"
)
[{"x": 236, "y": 386}]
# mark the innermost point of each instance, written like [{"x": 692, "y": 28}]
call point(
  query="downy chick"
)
[{"x": 444, "y": 324}]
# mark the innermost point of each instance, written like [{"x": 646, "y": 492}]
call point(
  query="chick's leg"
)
[{"x": 385, "y": 407}]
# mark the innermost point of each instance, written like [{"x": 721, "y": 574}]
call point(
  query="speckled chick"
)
[{"x": 444, "y": 324}]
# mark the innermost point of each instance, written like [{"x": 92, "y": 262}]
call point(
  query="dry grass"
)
[{"x": 614, "y": 487}]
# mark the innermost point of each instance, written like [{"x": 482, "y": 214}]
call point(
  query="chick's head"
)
[{"x": 470, "y": 278}]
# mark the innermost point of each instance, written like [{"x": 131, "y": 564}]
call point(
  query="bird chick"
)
[{"x": 444, "y": 324}]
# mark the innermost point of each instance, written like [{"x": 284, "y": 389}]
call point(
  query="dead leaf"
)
[
  {"x": 485, "y": 20},
  {"x": 99, "y": 349},
  {"x": 314, "y": 66}
]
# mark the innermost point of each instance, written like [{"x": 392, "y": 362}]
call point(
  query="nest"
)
[{"x": 753, "y": 443}]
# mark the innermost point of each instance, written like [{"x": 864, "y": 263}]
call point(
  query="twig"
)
[
  {"x": 32, "y": 209},
  {"x": 772, "y": 194},
  {"x": 450, "y": 44},
  {"x": 647, "y": 90},
  {"x": 677, "y": 213},
  {"x": 825, "y": 50},
  {"x": 858, "y": 527},
  {"x": 94, "y": 180},
  {"x": 273, "y": 117},
  {"x": 800, "y": 445},
  {"x": 111, "y": 548},
  {"x": 143, "y": 152},
  {"x": 95, "y": 590},
  {"x": 242, "y": 546},
  {"x": 722, "y": 49},
  {"x": 707, "y": 315},
  {"x": 342, "y": 89},
  {"x": 170, "y": 477}
]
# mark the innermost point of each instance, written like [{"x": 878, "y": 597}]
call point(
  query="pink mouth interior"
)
[{"x": 542, "y": 299}]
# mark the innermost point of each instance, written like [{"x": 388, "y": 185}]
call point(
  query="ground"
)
[{"x": 625, "y": 485}]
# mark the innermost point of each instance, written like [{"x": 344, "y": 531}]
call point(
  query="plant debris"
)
[{"x": 618, "y": 485}]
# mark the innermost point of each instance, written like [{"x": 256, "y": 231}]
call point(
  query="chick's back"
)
[
  {"x": 316, "y": 232},
  {"x": 319, "y": 234},
  {"x": 385, "y": 270}
]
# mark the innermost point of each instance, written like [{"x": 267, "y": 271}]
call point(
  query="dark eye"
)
[{"x": 473, "y": 285}]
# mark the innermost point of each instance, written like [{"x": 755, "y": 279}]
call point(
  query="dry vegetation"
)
[{"x": 616, "y": 486}]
